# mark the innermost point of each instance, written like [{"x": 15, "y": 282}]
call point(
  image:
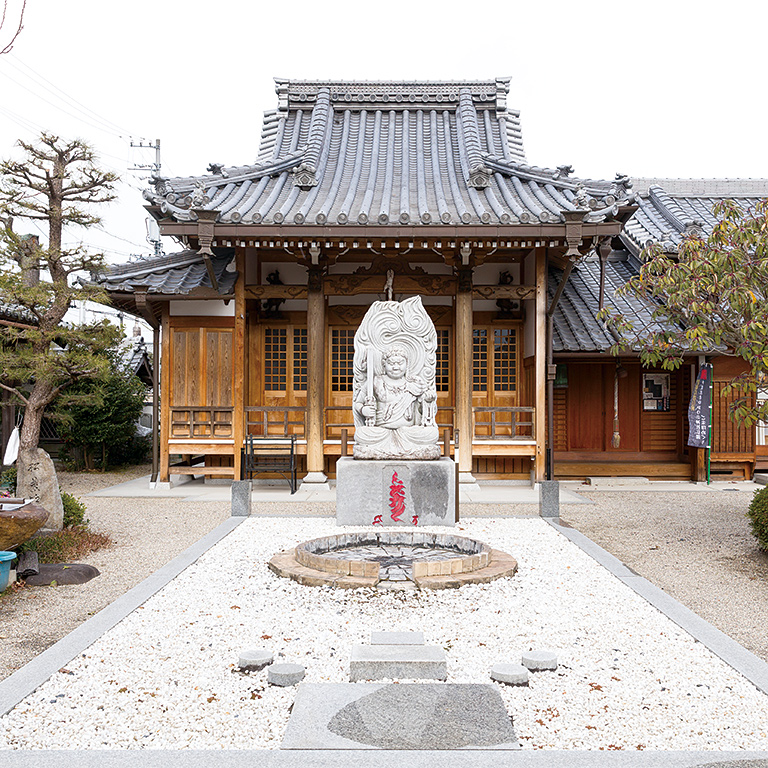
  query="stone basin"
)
[{"x": 18, "y": 523}]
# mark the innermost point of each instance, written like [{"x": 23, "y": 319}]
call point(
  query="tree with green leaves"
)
[
  {"x": 58, "y": 183},
  {"x": 710, "y": 297},
  {"x": 98, "y": 417}
]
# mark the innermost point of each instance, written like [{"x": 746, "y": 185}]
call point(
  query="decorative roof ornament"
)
[
  {"x": 562, "y": 172},
  {"x": 304, "y": 176},
  {"x": 480, "y": 177},
  {"x": 694, "y": 228},
  {"x": 198, "y": 198},
  {"x": 584, "y": 199},
  {"x": 217, "y": 169},
  {"x": 667, "y": 243},
  {"x": 621, "y": 186}
]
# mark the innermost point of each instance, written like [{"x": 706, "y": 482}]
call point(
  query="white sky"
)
[{"x": 647, "y": 88}]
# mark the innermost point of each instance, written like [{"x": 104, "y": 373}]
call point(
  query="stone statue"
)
[{"x": 394, "y": 383}]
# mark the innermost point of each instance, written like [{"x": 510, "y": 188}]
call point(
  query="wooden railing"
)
[
  {"x": 504, "y": 423},
  {"x": 193, "y": 422},
  {"x": 342, "y": 418},
  {"x": 275, "y": 421}
]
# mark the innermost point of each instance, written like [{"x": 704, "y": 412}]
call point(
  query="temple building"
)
[{"x": 418, "y": 188}]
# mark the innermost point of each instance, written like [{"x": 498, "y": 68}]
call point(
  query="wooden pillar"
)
[
  {"x": 315, "y": 376},
  {"x": 540, "y": 365},
  {"x": 463, "y": 388},
  {"x": 239, "y": 372},
  {"x": 166, "y": 376}
]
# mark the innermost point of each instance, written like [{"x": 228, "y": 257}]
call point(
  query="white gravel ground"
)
[{"x": 164, "y": 677}]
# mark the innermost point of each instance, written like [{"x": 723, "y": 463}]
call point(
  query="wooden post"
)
[
  {"x": 238, "y": 364},
  {"x": 540, "y": 372},
  {"x": 315, "y": 376},
  {"x": 463, "y": 389},
  {"x": 166, "y": 377}
]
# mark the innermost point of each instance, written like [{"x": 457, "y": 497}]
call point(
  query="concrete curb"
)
[
  {"x": 379, "y": 758},
  {"x": 738, "y": 657},
  {"x": 25, "y": 680}
]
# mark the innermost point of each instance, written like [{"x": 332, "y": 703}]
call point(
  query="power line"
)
[{"x": 63, "y": 95}]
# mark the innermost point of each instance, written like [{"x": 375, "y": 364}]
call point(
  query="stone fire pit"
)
[{"x": 393, "y": 560}]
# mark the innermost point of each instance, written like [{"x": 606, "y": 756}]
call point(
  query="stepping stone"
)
[
  {"x": 62, "y": 573},
  {"x": 511, "y": 674},
  {"x": 425, "y": 716},
  {"x": 397, "y": 638},
  {"x": 379, "y": 662},
  {"x": 255, "y": 659},
  {"x": 285, "y": 674},
  {"x": 537, "y": 660}
]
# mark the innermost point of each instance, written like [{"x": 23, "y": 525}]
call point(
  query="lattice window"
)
[
  {"x": 342, "y": 354},
  {"x": 275, "y": 359},
  {"x": 300, "y": 359},
  {"x": 442, "y": 374},
  {"x": 504, "y": 359},
  {"x": 480, "y": 360}
]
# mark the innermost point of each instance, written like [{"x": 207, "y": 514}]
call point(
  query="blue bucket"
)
[{"x": 6, "y": 558}]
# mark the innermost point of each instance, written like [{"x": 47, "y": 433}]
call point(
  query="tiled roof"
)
[
  {"x": 177, "y": 274},
  {"x": 575, "y": 327},
  {"x": 16, "y": 314},
  {"x": 379, "y": 153},
  {"x": 668, "y": 208}
]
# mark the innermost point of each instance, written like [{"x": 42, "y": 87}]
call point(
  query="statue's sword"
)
[{"x": 370, "y": 399}]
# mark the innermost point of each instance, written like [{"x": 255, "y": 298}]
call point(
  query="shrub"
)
[
  {"x": 74, "y": 510},
  {"x": 8, "y": 481},
  {"x": 66, "y": 546},
  {"x": 758, "y": 517}
]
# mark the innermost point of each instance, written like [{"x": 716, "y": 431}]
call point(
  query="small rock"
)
[
  {"x": 254, "y": 659},
  {"x": 536, "y": 660},
  {"x": 285, "y": 674},
  {"x": 511, "y": 674}
]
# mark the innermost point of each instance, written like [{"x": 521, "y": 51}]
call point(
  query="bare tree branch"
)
[{"x": 9, "y": 46}]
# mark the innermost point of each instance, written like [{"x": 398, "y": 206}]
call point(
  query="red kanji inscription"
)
[
  {"x": 377, "y": 520},
  {"x": 396, "y": 498}
]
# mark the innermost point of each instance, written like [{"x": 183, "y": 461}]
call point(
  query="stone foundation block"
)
[
  {"x": 368, "y": 492},
  {"x": 396, "y": 662}
]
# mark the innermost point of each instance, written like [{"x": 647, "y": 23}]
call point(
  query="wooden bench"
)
[{"x": 269, "y": 454}]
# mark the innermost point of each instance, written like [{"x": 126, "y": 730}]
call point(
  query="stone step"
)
[{"x": 397, "y": 662}]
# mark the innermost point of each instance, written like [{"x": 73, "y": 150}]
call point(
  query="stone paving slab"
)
[
  {"x": 412, "y": 662},
  {"x": 421, "y": 716}
]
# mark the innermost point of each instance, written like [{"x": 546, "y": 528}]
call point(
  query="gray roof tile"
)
[{"x": 387, "y": 153}]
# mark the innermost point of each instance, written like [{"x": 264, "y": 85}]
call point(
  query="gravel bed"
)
[
  {"x": 146, "y": 534},
  {"x": 698, "y": 547},
  {"x": 165, "y": 677}
]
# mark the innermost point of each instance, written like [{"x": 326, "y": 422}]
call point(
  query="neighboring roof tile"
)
[
  {"x": 575, "y": 327},
  {"x": 388, "y": 153},
  {"x": 668, "y": 207},
  {"x": 177, "y": 274}
]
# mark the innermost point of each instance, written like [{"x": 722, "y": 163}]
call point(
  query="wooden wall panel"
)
[
  {"x": 586, "y": 412},
  {"x": 218, "y": 367},
  {"x": 561, "y": 419},
  {"x": 727, "y": 436},
  {"x": 659, "y": 429}
]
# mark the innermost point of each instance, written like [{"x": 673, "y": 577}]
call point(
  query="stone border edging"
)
[
  {"x": 377, "y": 758},
  {"x": 26, "y": 680},
  {"x": 723, "y": 646}
]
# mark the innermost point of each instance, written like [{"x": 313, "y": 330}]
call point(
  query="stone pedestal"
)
[{"x": 395, "y": 493}]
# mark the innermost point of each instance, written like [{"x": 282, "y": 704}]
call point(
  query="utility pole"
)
[{"x": 154, "y": 170}]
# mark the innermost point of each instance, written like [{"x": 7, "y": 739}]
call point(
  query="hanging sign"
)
[{"x": 699, "y": 409}]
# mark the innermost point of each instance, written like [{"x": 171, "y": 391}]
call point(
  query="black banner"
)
[{"x": 699, "y": 409}]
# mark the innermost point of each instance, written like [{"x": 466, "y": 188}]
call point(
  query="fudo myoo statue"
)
[{"x": 394, "y": 383}]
